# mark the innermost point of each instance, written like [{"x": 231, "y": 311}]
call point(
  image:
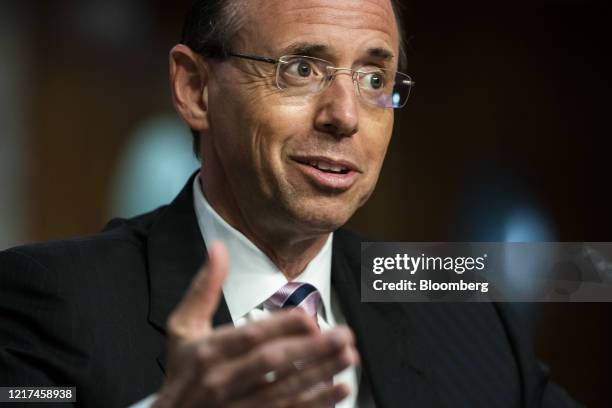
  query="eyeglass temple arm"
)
[{"x": 254, "y": 58}]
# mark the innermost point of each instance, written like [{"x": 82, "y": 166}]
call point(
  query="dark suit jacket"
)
[{"x": 90, "y": 312}]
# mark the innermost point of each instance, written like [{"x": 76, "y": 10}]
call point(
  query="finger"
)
[
  {"x": 192, "y": 318},
  {"x": 215, "y": 348},
  {"x": 229, "y": 341},
  {"x": 310, "y": 376},
  {"x": 327, "y": 397},
  {"x": 245, "y": 375},
  {"x": 171, "y": 394},
  {"x": 181, "y": 376},
  {"x": 324, "y": 398}
]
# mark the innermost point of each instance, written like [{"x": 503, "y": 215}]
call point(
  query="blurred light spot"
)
[
  {"x": 525, "y": 225},
  {"x": 154, "y": 167},
  {"x": 396, "y": 99}
]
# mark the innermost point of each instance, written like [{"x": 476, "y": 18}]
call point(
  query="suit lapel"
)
[
  {"x": 395, "y": 367},
  {"x": 176, "y": 251}
]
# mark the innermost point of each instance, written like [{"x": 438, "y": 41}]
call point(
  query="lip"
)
[
  {"x": 332, "y": 162},
  {"x": 328, "y": 181}
]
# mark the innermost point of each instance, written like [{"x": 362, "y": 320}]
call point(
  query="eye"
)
[
  {"x": 373, "y": 81},
  {"x": 301, "y": 68}
]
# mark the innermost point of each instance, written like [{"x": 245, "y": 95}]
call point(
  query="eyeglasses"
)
[{"x": 299, "y": 75}]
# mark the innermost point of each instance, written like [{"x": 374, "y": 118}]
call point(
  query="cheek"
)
[
  {"x": 377, "y": 143},
  {"x": 255, "y": 143},
  {"x": 273, "y": 130},
  {"x": 278, "y": 127}
]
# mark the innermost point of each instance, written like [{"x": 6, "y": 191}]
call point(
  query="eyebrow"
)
[
  {"x": 307, "y": 49},
  {"x": 380, "y": 53},
  {"x": 324, "y": 51}
]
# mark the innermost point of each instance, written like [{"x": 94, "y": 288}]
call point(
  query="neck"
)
[{"x": 289, "y": 250}]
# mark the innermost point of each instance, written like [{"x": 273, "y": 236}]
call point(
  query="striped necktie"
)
[{"x": 299, "y": 295}]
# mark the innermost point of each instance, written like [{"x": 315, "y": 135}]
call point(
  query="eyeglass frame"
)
[{"x": 277, "y": 61}]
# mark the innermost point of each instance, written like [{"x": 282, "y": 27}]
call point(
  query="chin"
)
[{"x": 323, "y": 216}]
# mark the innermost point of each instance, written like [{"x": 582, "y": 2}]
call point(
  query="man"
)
[{"x": 292, "y": 106}]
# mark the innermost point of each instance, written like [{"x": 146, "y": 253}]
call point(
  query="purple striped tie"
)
[
  {"x": 299, "y": 295},
  {"x": 303, "y": 296}
]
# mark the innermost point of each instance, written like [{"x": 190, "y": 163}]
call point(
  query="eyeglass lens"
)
[{"x": 301, "y": 75}]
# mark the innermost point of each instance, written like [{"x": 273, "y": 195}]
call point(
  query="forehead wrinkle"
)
[
  {"x": 318, "y": 14},
  {"x": 387, "y": 37},
  {"x": 374, "y": 18},
  {"x": 374, "y": 8},
  {"x": 265, "y": 21},
  {"x": 368, "y": 13},
  {"x": 355, "y": 26}
]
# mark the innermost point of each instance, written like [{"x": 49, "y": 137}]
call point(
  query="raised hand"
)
[{"x": 252, "y": 365}]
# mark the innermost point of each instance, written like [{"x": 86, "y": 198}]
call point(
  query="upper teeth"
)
[{"x": 327, "y": 167}]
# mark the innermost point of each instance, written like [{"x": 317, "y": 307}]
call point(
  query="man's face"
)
[{"x": 274, "y": 147}]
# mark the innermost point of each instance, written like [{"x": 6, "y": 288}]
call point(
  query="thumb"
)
[{"x": 192, "y": 318}]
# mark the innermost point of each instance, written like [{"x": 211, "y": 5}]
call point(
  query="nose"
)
[{"x": 337, "y": 110}]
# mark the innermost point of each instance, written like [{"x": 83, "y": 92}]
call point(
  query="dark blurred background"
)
[{"x": 505, "y": 137}]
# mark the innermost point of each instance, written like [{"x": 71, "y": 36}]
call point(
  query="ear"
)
[{"x": 189, "y": 86}]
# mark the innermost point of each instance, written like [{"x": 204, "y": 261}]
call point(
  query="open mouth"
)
[
  {"x": 328, "y": 168},
  {"x": 328, "y": 174}
]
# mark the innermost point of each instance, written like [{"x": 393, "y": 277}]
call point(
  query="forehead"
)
[{"x": 342, "y": 25}]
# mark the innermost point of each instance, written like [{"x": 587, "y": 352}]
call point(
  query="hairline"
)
[{"x": 237, "y": 20}]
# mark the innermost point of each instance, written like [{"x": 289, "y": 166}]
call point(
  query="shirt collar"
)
[{"x": 252, "y": 276}]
